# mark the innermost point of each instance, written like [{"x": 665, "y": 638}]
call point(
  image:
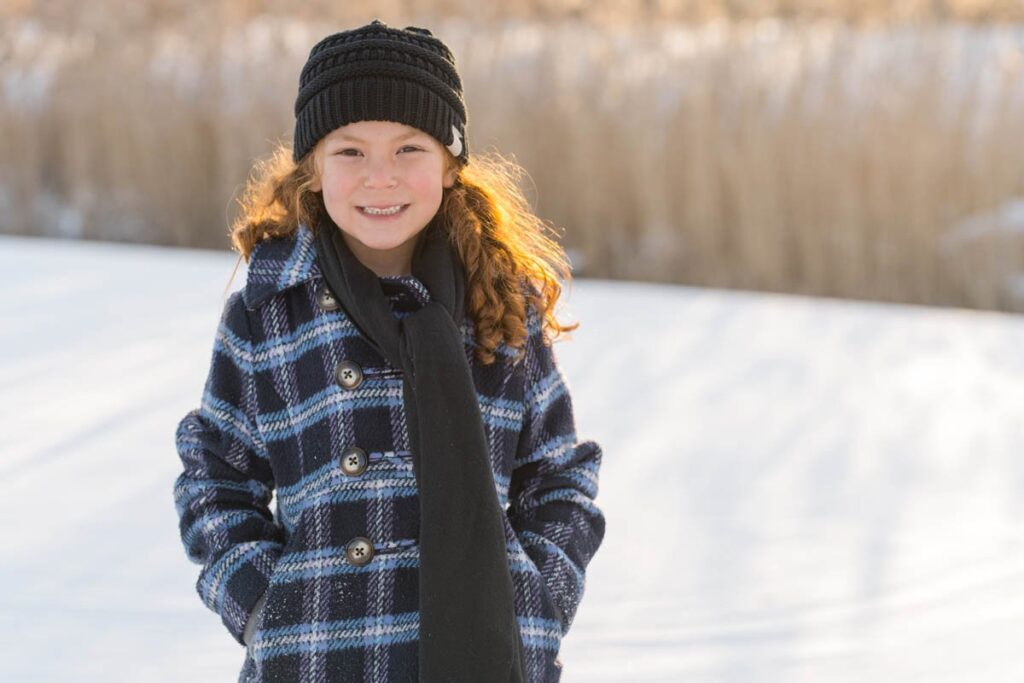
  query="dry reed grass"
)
[
  {"x": 96, "y": 15},
  {"x": 812, "y": 158}
]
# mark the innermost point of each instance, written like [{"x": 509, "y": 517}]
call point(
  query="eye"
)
[{"x": 345, "y": 152}]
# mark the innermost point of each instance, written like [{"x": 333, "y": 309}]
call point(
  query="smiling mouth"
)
[{"x": 393, "y": 210}]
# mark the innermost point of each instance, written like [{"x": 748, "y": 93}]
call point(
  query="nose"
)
[{"x": 380, "y": 172}]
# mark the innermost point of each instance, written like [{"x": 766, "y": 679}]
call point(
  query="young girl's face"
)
[{"x": 382, "y": 164}]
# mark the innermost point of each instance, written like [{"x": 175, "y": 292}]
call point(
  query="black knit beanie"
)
[{"x": 379, "y": 73}]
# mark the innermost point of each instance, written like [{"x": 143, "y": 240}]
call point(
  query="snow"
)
[{"x": 796, "y": 489}]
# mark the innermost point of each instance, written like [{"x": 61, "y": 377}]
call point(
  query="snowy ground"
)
[{"x": 795, "y": 489}]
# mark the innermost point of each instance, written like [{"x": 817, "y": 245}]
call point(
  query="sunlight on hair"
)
[{"x": 512, "y": 258}]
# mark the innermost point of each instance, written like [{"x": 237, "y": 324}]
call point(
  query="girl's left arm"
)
[{"x": 554, "y": 481}]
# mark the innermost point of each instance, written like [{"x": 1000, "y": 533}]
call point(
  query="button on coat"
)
[
  {"x": 348, "y": 374},
  {"x": 325, "y": 299},
  {"x": 353, "y": 461},
  {"x": 359, "y": 550}
]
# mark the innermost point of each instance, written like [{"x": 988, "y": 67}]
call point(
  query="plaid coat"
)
[{"x": 278, "y": 420}]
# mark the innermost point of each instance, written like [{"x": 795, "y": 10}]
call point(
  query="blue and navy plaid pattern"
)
[{"x": 273, "y": 422}]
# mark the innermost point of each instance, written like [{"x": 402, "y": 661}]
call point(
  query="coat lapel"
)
[{"x": 278, "y": 264}]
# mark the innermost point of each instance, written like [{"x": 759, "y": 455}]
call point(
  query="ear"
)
[
  {"x": 316, "y": 184},
  {"x": 449, "y": 177}
]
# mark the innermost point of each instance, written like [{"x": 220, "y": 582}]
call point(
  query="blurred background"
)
[
  {"x": 830, "y": 483},
  {"x": 863, "y": 149}
]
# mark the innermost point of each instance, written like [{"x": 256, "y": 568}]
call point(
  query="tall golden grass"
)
[
  {"x": 97, "y": 14},
  {"x": 807, "y": 157}
]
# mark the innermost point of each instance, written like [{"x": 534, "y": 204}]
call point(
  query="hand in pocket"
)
[{"x": 254, "y": 619}]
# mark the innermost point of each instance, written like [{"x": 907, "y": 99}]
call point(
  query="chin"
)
[
  {"x": 377, "y": 242},
  {"x": 381, "y": 242}
]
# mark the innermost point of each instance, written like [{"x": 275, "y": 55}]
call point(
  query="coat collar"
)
[{"x": 280, "y": 263}]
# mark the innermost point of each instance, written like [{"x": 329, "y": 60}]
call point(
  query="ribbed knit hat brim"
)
[{"x": 378, "y": 73}]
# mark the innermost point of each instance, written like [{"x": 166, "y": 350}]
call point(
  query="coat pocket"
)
[
  {"x": 267, "y": 602},
  {"x": 550, "y": 608},
  {"x": 535, "y": 585},
  {"x": 252, "y": 624}
]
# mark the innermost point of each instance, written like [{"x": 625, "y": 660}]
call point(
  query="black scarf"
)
[{"x": 468, "y": 627}]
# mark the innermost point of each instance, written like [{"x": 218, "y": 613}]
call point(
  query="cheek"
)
[
  {"x": 336, "y": 186},
  {"x": 427, "y": 185}
]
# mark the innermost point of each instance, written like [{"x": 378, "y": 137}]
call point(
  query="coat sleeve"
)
[
  {"x": 222, "y": 495},
  {"x": 554, "y": 480}
]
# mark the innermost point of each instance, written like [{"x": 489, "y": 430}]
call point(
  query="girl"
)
[{"x": 386, "y": 373}]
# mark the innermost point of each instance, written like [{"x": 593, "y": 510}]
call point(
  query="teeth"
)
[{"x": 383, "y": 212}]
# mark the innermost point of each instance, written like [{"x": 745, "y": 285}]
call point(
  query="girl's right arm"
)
[{"x": 222, "y": 497}]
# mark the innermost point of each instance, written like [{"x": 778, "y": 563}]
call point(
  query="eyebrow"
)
[{"x": 403, "y": 136}]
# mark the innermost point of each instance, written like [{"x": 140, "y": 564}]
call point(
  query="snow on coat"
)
[{"x": 279, "y": 417}]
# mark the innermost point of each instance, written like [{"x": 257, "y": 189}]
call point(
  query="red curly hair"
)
[{"x": 498, "y": 239}]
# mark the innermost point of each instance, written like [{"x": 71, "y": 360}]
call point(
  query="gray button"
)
[
  {"x": 325, "y": 299},
  {"x": 359, "y": 550},
  {"x": 353, "y": 461},
  {"x": 348, "y": 374}
]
